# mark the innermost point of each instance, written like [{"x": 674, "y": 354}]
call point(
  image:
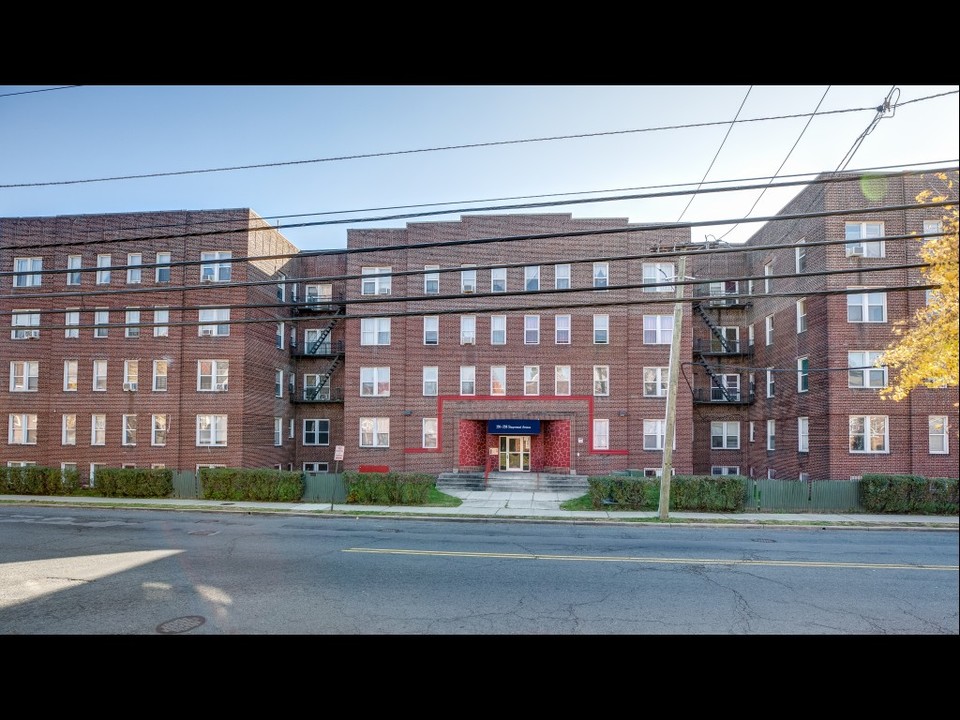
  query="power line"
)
[{"x": 30, "y": 92}]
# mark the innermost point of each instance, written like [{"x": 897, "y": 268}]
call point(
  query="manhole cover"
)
[{"x": 181, "y": 624}]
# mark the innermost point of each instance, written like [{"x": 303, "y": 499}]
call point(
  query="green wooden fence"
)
[
  {"x": 803, "y": 496},
  {"x": 318, "y": 487}
]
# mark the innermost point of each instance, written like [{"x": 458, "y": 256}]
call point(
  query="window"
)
[
  {"x": 800, "y": 255},
  {"x": 71, "y": 317},
  {"x": 867, "y": 307},
  {"x": 158, "y": 430},
  {"x": 655, "y": 273},
  {"x": 938, "y": 434},
  {"x": 103, "y": 276},
  {"x": 430, "y": 435},
  {"x": 771, "y": 434},
  {"x": 317, "y": 341},
  {"x": 498, "y": 380},
  {"x": 771, "y": 383},
  {"x": 498, "y": 330},
  {"x": 801, "y": 315},
  {"x": 752, "y": 434},
  {"x": 803, "y": 374},
  {"x": 316, "y": 467},
  {"x": 468, "y": 377},
  {"x": 22, "y": 429},
  {"x": 132, "y": 322},
  {"x": 724, "y": 470},
  {"x": 70, "y": 375},
  {"x": 767, "y": 278},
  {"x": 374, "y": 432},
  {"x": 292, "y": 429},
  {"x": 866, "y": 375},
  {"x": 159, "y": 375},
  {"x": 431, "y": 381},
  {"x": 531, "y": 380},
  {"x": 129, "y": 429},
  {"x": 162, "y": 273},
  {"x": 561, "y": 276},
  {"x": 725, "y": 387},
  {"x": 601, "y": 379},
  {"x": 98, "y": 429},
  {"x": 750, "y": 335},
  {"x": 319, "y": 294},
  {"x": 161, "y": 315},
  {"x": 431, "y": 331},
  {"x": 562, "y": 329},
  {"x": 601, "y": 434},
  {"x": 101, "y": 319},
  {"x": 601, "y": 274},
  {"x": 498, "y": 280},
  {"x": 281, "y": 287},
  {"x": 24, "y": 375},
  {"x": 376, "y": 331},
  {"x": 468, "y": 329},
  {"x": 25, "y": 270},
  {"x": 859, "y": 233},
  {"x": 561, "y": 380},
  {"x": 376, "y": 280},
  {"x": 655, "y": 381},
  {"x": 214, "y": 269},
  {"x": 277, "y": 431},
  {"x": 803, "y": 434},
  {"x": 74, "y": 263},
  {"x": 725, "y": 339},
  {"x": 657, "y": 329},
  {"x": 219, "y": 316},
  {"x": 869, "y": 434},
  {"x": 468, "y": 280},
  {"x": 68, "y": 430},
  {"x": 214, "y": 375},
  {"x": 431, "y": 280},
  {"x": 531, "y": 329},
  {"x": 134, "y": 261},
  {"x": 316, "y": 387},
  {"x": 725, "y": 435},
  {"x": 375, "y": 382},
  {"x": 292, "y": 384},
  {"x": 278, "y": 383},
  {"x": 100, "y": 375},
  {"x": 768, "y": 323},
  {"x": 131, "y": 371},
  {"x": 601, "y": 329},
  {"x": 531, "y": 278},
  {"x": 26, "y": 325},
  {"x": 653, "y": 434},
  {"x": 212, "y": 430}
]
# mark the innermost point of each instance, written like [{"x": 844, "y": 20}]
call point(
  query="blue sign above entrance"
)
[{"x": 513, "y": 427}]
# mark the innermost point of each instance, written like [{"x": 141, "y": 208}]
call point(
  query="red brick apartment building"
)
[{"x": 514, "y": 342}]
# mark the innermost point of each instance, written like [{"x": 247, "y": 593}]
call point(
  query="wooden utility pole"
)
[{"x": 669, "y": 431}]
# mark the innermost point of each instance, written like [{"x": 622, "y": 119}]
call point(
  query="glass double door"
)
[{"x": 515, "y": 453}]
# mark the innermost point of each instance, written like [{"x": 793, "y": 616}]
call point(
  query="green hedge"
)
[
  {"x": 36, "y": 480},
  {"x": 909, "y": 494},
  {"x": 265, "y": 485},
  {"x": 696, "y": 493},
  {"x": 134, "y": 482},
  {"x": 388, "y": 488}
]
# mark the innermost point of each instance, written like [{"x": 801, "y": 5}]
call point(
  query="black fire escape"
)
[{"x": 721, "y": 345}]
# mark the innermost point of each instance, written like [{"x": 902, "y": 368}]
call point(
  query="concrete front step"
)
[{"x": 512, "y": 482}]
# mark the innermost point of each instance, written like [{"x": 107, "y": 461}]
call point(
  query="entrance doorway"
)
[{"x": 515, "y": 453}]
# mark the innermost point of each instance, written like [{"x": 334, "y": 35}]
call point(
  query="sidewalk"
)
[{"x": 490, "y": 504}]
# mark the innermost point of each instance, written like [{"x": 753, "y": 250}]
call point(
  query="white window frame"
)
[
  {"x": 68, "y": 429},
  {"x": 162, "y": 271},
  {"x": 561, "y": 276},
  {"x": 562, "y": 380},
  {"x": 768, "y": 329},
  {"x": 215, "y": 432},
  {"x": 158, "y": 366},
  {"x": 134, "y": 272},
  {"x": 317, "y": 294},
  {"x": 601, "y": 274},
  {"x": 498, "y": 329},
  {"x": 719, "y": 470},
  {"x": 468, "y": 279},
  {"x": 431, "y": 330},
  {"x": 658, "y": 379},
  {"x": 161, "y": 315},
  {"x": 654, "y": 273},
  {"x": 314, "y": 430},
  {"x": 750, "y": 335},
  {"x": 728, "y": 435},
  {"x": 132, "y": 322},
  {"x": 531, "y": 329},
  {"x": 803, "y": 434},
  {"x": 217, "y": 322},
  {"x": 159, "y": 427},
  {"x": 860, "y": 304},
  {"x": 103, "y": 276},
  {"x": 431, "y": 280},
  {"x": 430, "y": 434},
  {"x": 431, "y": 380},
  {"x": 277, "y": 431},
  {"x": 71, "y": 317},
  {"x": 802, "y": 315},
  {"x": 753, "y": 436},
  {"x": 601, "y": 329},
  {"x": 131, "y": 375},
  {"x": 212, "y": 269},
  {"x": 24, "y": 376},
  {"x": 654, "y": 434},
  {"x": 498, "y": 380},
  {"x": 468, "y": 329},
  {"x": 216, "y": 376},
  {"x": 562, "y": 330},
  {"x": 22, "y": 429},
  {"x": 316, "y": 467},
  {"x": 498, "y": 280},
  {"x": 657, "y": 329},
  {"x": 129, "y": 436},
  {"x": 601, "y": 434},
  {"x": 101, "y": 319},
  {"x": 870, "y": 377},
  {"x": 375, "y": 331},
  {"x": 800, "y": 257},
  {"x": 771, "y": 382},
  {"x": 375, "y": 381},
  {"x": 803, "y": 374},
  {"x": 468, "y": 380},
  {"x": 74, "y": 265},
  {"x": 376, "y": 280},
  {"x": 767, "y": 277},
  {"x": 277, "y": 382},
  {"x": 26, "y": 271},
  {"x": 100, "y": 379},
  {"x": 869, "y": 432},
  {"x": 71, "y": 375},
  {"x": 601, "y": 380},
  {"x": 531, "y": 380},
  {"x": 25, "y": 324},
  {"x": 531, "y": 278},
  {"x": 375, "y": 432},
  {"x": 771, "y": 434},
  {"x": 939, "y": 437},
  {"x": 859, "y": 234},
  {"x": 98, "y": 429}
]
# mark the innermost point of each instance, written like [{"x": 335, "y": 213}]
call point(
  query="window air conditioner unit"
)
[
  {"x": 383, "y": 291},
  {"x": 468, "y": 341},
  {"x": 855, "y": 250},
  {"x": 221, "y": 387},
  {"x": 33, "y": 334},
  {"x": 468, "y": 290},
  {"x": 206, "y": 331},
  {"x": 130, "y": 386}
]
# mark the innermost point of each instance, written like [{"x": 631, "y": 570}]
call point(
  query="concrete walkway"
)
[{"x": 503, "y": 505}]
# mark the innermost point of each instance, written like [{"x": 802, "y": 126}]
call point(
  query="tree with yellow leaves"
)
[{"x": 925, "y": 353}]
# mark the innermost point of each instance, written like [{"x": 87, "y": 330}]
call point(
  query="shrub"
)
[
  {"x": 908, "y": 494},
  {"x": 687, "y": 492},
  {"x": 256, "y": 484},
  {"x": 134, "y": 482},
  {"x": 35, "y": 480},
  {"x": 390, "y": 488}
]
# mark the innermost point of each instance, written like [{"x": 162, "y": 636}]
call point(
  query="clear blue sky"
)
[{"x": 613, "y": 144}]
